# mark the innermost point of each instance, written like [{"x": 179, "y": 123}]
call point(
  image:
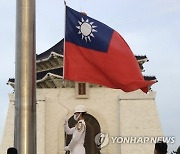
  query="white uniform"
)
[{"x": 76, "y": 146}]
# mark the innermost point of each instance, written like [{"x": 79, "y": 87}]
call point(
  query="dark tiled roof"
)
[
  {"x": 40, "y": 75},
  {"x": 138, "y": 57},
  {"x": 57, "y": 71},
  {"x": 11, "y": 80},
  {"x": 58, "y": 48},
  {"x": 149, "y": 78}
]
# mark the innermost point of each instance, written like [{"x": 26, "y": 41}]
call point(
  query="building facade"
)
[{"x": 120, "y": 115}]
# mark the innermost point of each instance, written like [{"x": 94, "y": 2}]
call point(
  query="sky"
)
[{"x": 150, "y": 27}]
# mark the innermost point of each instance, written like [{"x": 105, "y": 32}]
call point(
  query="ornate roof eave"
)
[
  {"x": 51, "y": 62},
  {"x": 57, "y": 48},
  {"x": 50, "y": 80},
  {"x": 55, "y": 60},
  {"x": 52, "y": 55},
  {"x": 150, "y": 78},
  {"x": 141, "y": 59},
  {"x": 49, "y": 68},
  {"x": 49, "y": 76},
  {"x": 11, "y": 83}
]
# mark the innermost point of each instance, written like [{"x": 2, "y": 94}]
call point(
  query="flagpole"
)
[
  {"x": 25, "y": 78},
  {"x": 64, "y": 59},
  {"x": 64, "y": 37}
]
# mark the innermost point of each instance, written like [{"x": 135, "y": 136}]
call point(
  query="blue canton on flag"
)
[{"x": 86, "y": 31}]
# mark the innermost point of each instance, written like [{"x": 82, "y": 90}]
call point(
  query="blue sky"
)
[{"x": 150, "y": 27}]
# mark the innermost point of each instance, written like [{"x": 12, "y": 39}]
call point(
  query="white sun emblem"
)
[{"x": 86, "y": 29}]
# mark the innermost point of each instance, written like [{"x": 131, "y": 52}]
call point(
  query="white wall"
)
[
  {"x": 8, "y": 134},
  {"x": 138, "y": 118},
  {"x": 118, "y": 113}
]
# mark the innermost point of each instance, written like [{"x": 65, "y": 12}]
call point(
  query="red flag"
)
[{"x": 96, "y": 53}]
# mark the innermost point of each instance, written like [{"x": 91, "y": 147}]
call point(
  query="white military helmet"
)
[{"x": 80, "y": 108}]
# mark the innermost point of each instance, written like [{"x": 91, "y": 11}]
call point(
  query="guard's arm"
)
[
  {"x": 68, "y": 130},
  {"x": 78, "y": 131}
]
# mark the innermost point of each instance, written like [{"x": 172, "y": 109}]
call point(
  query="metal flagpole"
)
[
  {"x": 25, "y": 78},
  {"x": 64, "y": 62},
  {"x": 64, "y": 37}
]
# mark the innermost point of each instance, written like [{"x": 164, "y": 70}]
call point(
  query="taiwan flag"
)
[{"x": 96, "y": 53}]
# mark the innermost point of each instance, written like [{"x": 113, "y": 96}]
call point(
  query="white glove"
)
[
  {"x": 66, "y": 120},
  {"x": 66, "y": 148}
]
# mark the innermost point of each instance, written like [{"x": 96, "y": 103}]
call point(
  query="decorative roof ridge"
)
[
  {"x": 56, "y": 71},
  {"x": 41, "y": 75},
  {"x": 150, "y": 78},
  {"x": 57, "y": 48},
  {"x": 52, "y": 54},
  {"x": 49, "y": 75},
  {"x": 141, "y": 58},
  {"x": 12, "y": 80}
]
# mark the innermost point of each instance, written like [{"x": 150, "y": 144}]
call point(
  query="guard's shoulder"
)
[{"x": 80, "y": 126}]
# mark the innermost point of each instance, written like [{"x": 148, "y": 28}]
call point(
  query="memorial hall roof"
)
[{"x": 49, "y": 68}]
